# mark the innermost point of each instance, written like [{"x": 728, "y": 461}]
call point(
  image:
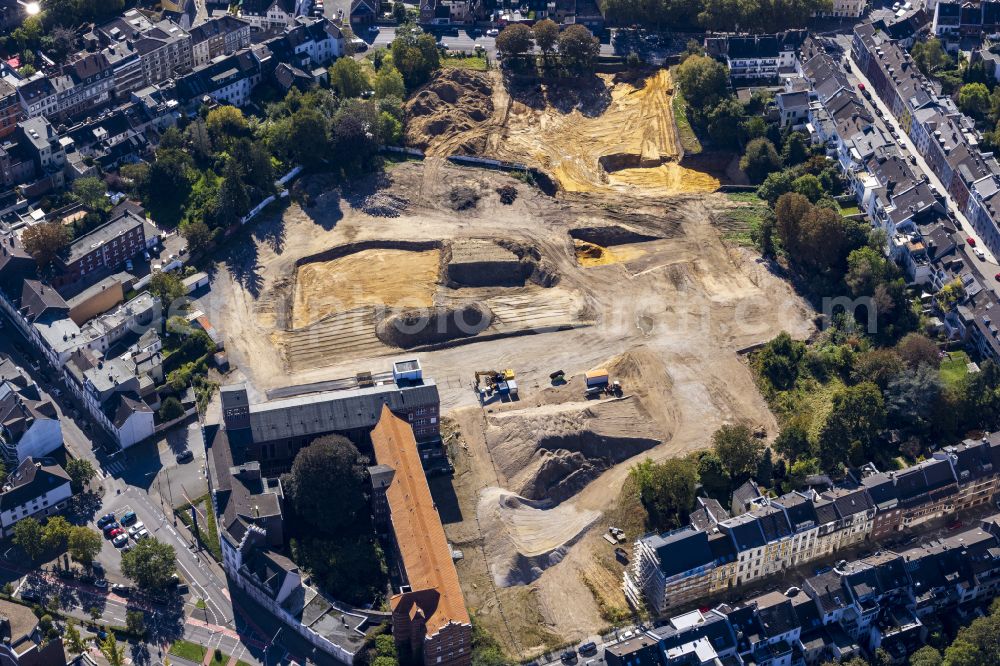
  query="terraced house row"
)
[
  {"x": 883, "y": 601},
  {"x": 717, "y": 551},
  {"x": 944, "y": 136},
  {"x": 921, "y": 234}
]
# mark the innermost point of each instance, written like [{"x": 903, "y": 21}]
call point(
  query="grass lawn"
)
[
  {"x": 477, "y": 63},
  {"x": 849, "y": 210},
  {"x": 689, "y": 141},
  {"x": 739, "y": 223},
  {"x": 188, "y": 650},
  {"x": 953, "y": 369}
]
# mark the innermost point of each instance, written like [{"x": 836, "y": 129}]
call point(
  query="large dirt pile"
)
[
  {"x": 414, "y": 328},
  {"x": 453, "y": 102},
  {"x": 526, "y": 536},
  {"x": 551, "y": 452}
]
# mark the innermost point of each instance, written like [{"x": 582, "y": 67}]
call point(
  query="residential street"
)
[{"x": 986, "y": 269}]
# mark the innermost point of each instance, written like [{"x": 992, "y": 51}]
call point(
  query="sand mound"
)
[
  {"x": 551, "y": 452},
  {"x": 589, "y": 254},
  {"x": 434, "y": 325},
  {"x": 376, "y": 277},
  {"x": 628, "y": 143},
  {"x": 528, "y": 536},
  {"x": 453, "y": 102}
]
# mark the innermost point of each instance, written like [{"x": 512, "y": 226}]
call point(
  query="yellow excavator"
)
[{"x": 495, "y": 380}]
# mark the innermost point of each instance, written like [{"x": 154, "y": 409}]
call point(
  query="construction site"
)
[{"x": 570, "y": 336}]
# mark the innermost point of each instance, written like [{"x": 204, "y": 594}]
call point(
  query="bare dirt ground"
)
[
  {"x": 397, "y": 278},
  {"x": 603, "y": 134},
  {"x": 535, "y": 479}
]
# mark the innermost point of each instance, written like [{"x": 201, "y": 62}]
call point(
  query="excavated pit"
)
[
  {"x": 608, "y": 236},
  {"x": 436, "y": 325}
]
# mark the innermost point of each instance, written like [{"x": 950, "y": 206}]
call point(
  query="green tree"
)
[
  {"x": 776, "y": 184},
  {"x": 135, "y": 622},
  {"x": 29, "y": 535},
  {"x": 389, "y": 83},
  {"x": 80, "y": 471},
  {"x": 326, "y": 484},
  {"x": 793, "y": 442},
  {"x": 877, "y": 365},
  {"x": 974, "y": 99},
  {"x": 198, "y": 235},
  {"x": 578, "y": 47},
  {"x": 56, "y": 533},
  {"x": 778, "y": 360},
  {"x": 234, "y": 200},
  {"x": 760, "y": 159},
  {"x": 114, "y": 653},
  {"x": 930, "y": 55},
  {"x": 226, "y": 122},
  {"x": 91, "y": 192},
  {"x": 916, "y": 349},
  {"x": 546, "y": 34},
  {"x": 74, "y": 642},
  {"x": 667, "y": 490},
  {"x": 808, "y": 186},
  {"x": 703, "y": 81},
  {"x": 83, "y": 544},
  {"x": 348, "y": 79},
  {"x": 739, "y": 451},
  {"x": 150, "y": 564},
  {"x": 796, "y": 149},
  {"x": 45, "y": 241},
  {"x": 866, "y": 269},
  {"x": 800, "y": 470},
  {"x": 309, "y": 137},
  {"x": 911, "y": 396},
  {"x": 851, "y": 429},
  {"x": 926, "y": 656},
  {"x": 724, "y": 123},
  {"x": 171, "y": 409},
  {"x": 415, "y": 54},
  {"x": 167, "y": 287},
  {"x": 714, "y": 476},
  {"x": 515, "y": 40}
]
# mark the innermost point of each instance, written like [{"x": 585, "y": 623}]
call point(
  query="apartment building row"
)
[
  {"x": 953, "y": 20},
  {"x": 922, "y": 234},
  {"x": 132, "y": 53},
  {"x": 945, "y": 137},
  {"x": 717, "y": 551},
  {"x": 883, "y": 601}
]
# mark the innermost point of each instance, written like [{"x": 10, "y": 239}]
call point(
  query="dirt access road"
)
[{"x": 665, "y": 310}]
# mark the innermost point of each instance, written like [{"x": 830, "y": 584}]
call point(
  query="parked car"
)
[
  {"x": 123, "y": 590},
  {"x": 135, "y": 529},
  {"x": 31, "y": 595},
  {"x": 119, "y": 541},
  {"x": 98, "y": 569},
  {"x": 979, "y": 254},
  {"x": 861, "y": 86},
  {"x": 109, "y": 529},
  {"x": 100, "y": 583},
  {"x": 117, "y": 531},
  {"x": 568, "y": 656},
  {"x": 492, "y": 32},
  {"x": 105, "y": 520},
  {"x": 185, "y": 456},
  {"x": 588, "y": 648},
  {"x": 997, "y": 277},
  {"x": 129, "y": 518},
  {"x": 141, "y": 534},
  {"x": 971, "y": 241}
]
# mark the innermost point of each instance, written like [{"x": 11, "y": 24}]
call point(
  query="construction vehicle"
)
[{"x": 490, "y": 381}]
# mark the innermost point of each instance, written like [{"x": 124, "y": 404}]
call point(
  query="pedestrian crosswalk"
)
[{"x": 115, "y": 467}]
